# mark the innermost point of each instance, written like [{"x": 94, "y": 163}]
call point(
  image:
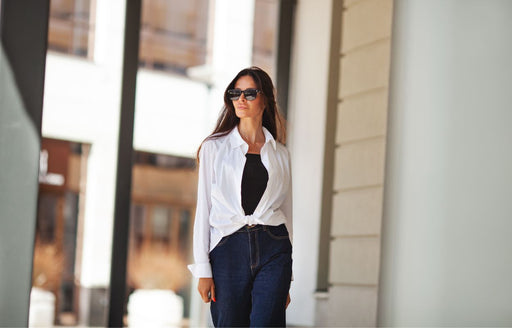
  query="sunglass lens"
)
[
  {"x": 250, "y": 94},
  {"x": 234, "y": 94}
]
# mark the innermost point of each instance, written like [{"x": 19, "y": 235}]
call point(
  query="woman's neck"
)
[{"x": 251, "y": 131}]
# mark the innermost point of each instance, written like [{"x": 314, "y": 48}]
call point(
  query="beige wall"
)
[
  {"x": 359, "y": 156},
  {"x": 447, "y": 205}
]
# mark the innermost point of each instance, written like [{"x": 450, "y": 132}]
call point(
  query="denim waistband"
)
[
  {"x": 247, "y": 228},
  {"x": 255, "y": 227}
]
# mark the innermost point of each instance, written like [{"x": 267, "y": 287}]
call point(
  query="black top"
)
[{"x": 254, "y": 182}]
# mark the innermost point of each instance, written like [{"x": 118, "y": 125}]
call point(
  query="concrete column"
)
[
  {"x": 447, "y": 206},
  {"x": 19, "y": 159},
  {"x": 307, "y": 114},
  {"x": 23, "y": 35}
]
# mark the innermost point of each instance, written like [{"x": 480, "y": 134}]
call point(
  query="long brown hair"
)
[{"x": 272, "y": 118}]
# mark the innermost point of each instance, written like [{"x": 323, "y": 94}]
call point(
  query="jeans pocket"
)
[{"x": 277, "y": 232}]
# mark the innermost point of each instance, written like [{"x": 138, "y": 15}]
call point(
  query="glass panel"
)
[
  {"x": 185, "y": 234},
  {"x": 137, "y": 224},
  {"x": 265, "y": 35},
  {"x": 47, "y": 217},
  {"x": 173, "y": 34},
  {"x": 187, "y": 57},
  {"x": 160, "y": 225},
  {"x": 70, "y": 26},
  {"x": 163, "y": 187},
  {"x": 78, "y": 160},
  {"x": 57, "y": 232},
  {"x": 67, "y": 291}
]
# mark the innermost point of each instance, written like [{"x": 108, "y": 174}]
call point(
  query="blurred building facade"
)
[
  {"x": 188, "y": 52},
  {"x": 398, "y": 129}
]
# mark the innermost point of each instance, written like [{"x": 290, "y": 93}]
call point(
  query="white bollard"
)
[
  {"x": 155, "y": 308},
  {"x": 42, "y": 308}
]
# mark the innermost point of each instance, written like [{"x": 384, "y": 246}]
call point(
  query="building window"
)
[
  {"x": 57, "y": 248},
  {"x": 70, "y": 26},
  {"x": 173, "y": 34},
  {"x": 265, "y": 34},
  {"x": 164, "y": 191}
]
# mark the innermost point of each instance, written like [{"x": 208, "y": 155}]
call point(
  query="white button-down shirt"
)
[{"x": 219, "y": 209}]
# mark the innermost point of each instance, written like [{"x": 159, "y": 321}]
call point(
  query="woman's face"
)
[{"x": 248, "y": 108}]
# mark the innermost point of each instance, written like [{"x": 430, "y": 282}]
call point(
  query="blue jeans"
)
[{"x": 252, "y": 271}]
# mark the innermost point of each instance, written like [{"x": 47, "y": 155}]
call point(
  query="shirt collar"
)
[{"x": 236, "y": 139}]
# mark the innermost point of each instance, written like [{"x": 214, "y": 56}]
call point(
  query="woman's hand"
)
[
  {"x": 288, "y": 300},
  {"x": 206, "y": 289}
]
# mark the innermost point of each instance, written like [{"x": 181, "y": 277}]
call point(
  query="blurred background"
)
[
  {"x": 180, "y": 79},
  {"x": 398, "y": 126}
]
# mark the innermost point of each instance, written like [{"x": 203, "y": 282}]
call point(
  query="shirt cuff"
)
[{"x": 201, "y": 270}]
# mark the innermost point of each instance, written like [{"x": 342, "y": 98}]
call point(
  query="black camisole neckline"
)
[{"x": 254, "y": 182}]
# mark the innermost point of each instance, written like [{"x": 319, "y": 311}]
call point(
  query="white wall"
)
[
  {"x": 447, "y": 211},
  {"x": 306, "y": 134},
  {"x": 171, "y": 114}
]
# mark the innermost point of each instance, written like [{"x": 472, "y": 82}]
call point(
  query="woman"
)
[{"x": 242, "y": 230}]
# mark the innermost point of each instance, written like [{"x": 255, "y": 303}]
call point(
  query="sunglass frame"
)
[{"x": 249, "y": 94}]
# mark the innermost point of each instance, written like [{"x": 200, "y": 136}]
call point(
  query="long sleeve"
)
[
  {"x": 287, "y": 206},
  {"x": 202, "y": 268}
]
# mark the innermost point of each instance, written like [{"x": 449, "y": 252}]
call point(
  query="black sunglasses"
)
[{"x": 249, "y": 94}]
